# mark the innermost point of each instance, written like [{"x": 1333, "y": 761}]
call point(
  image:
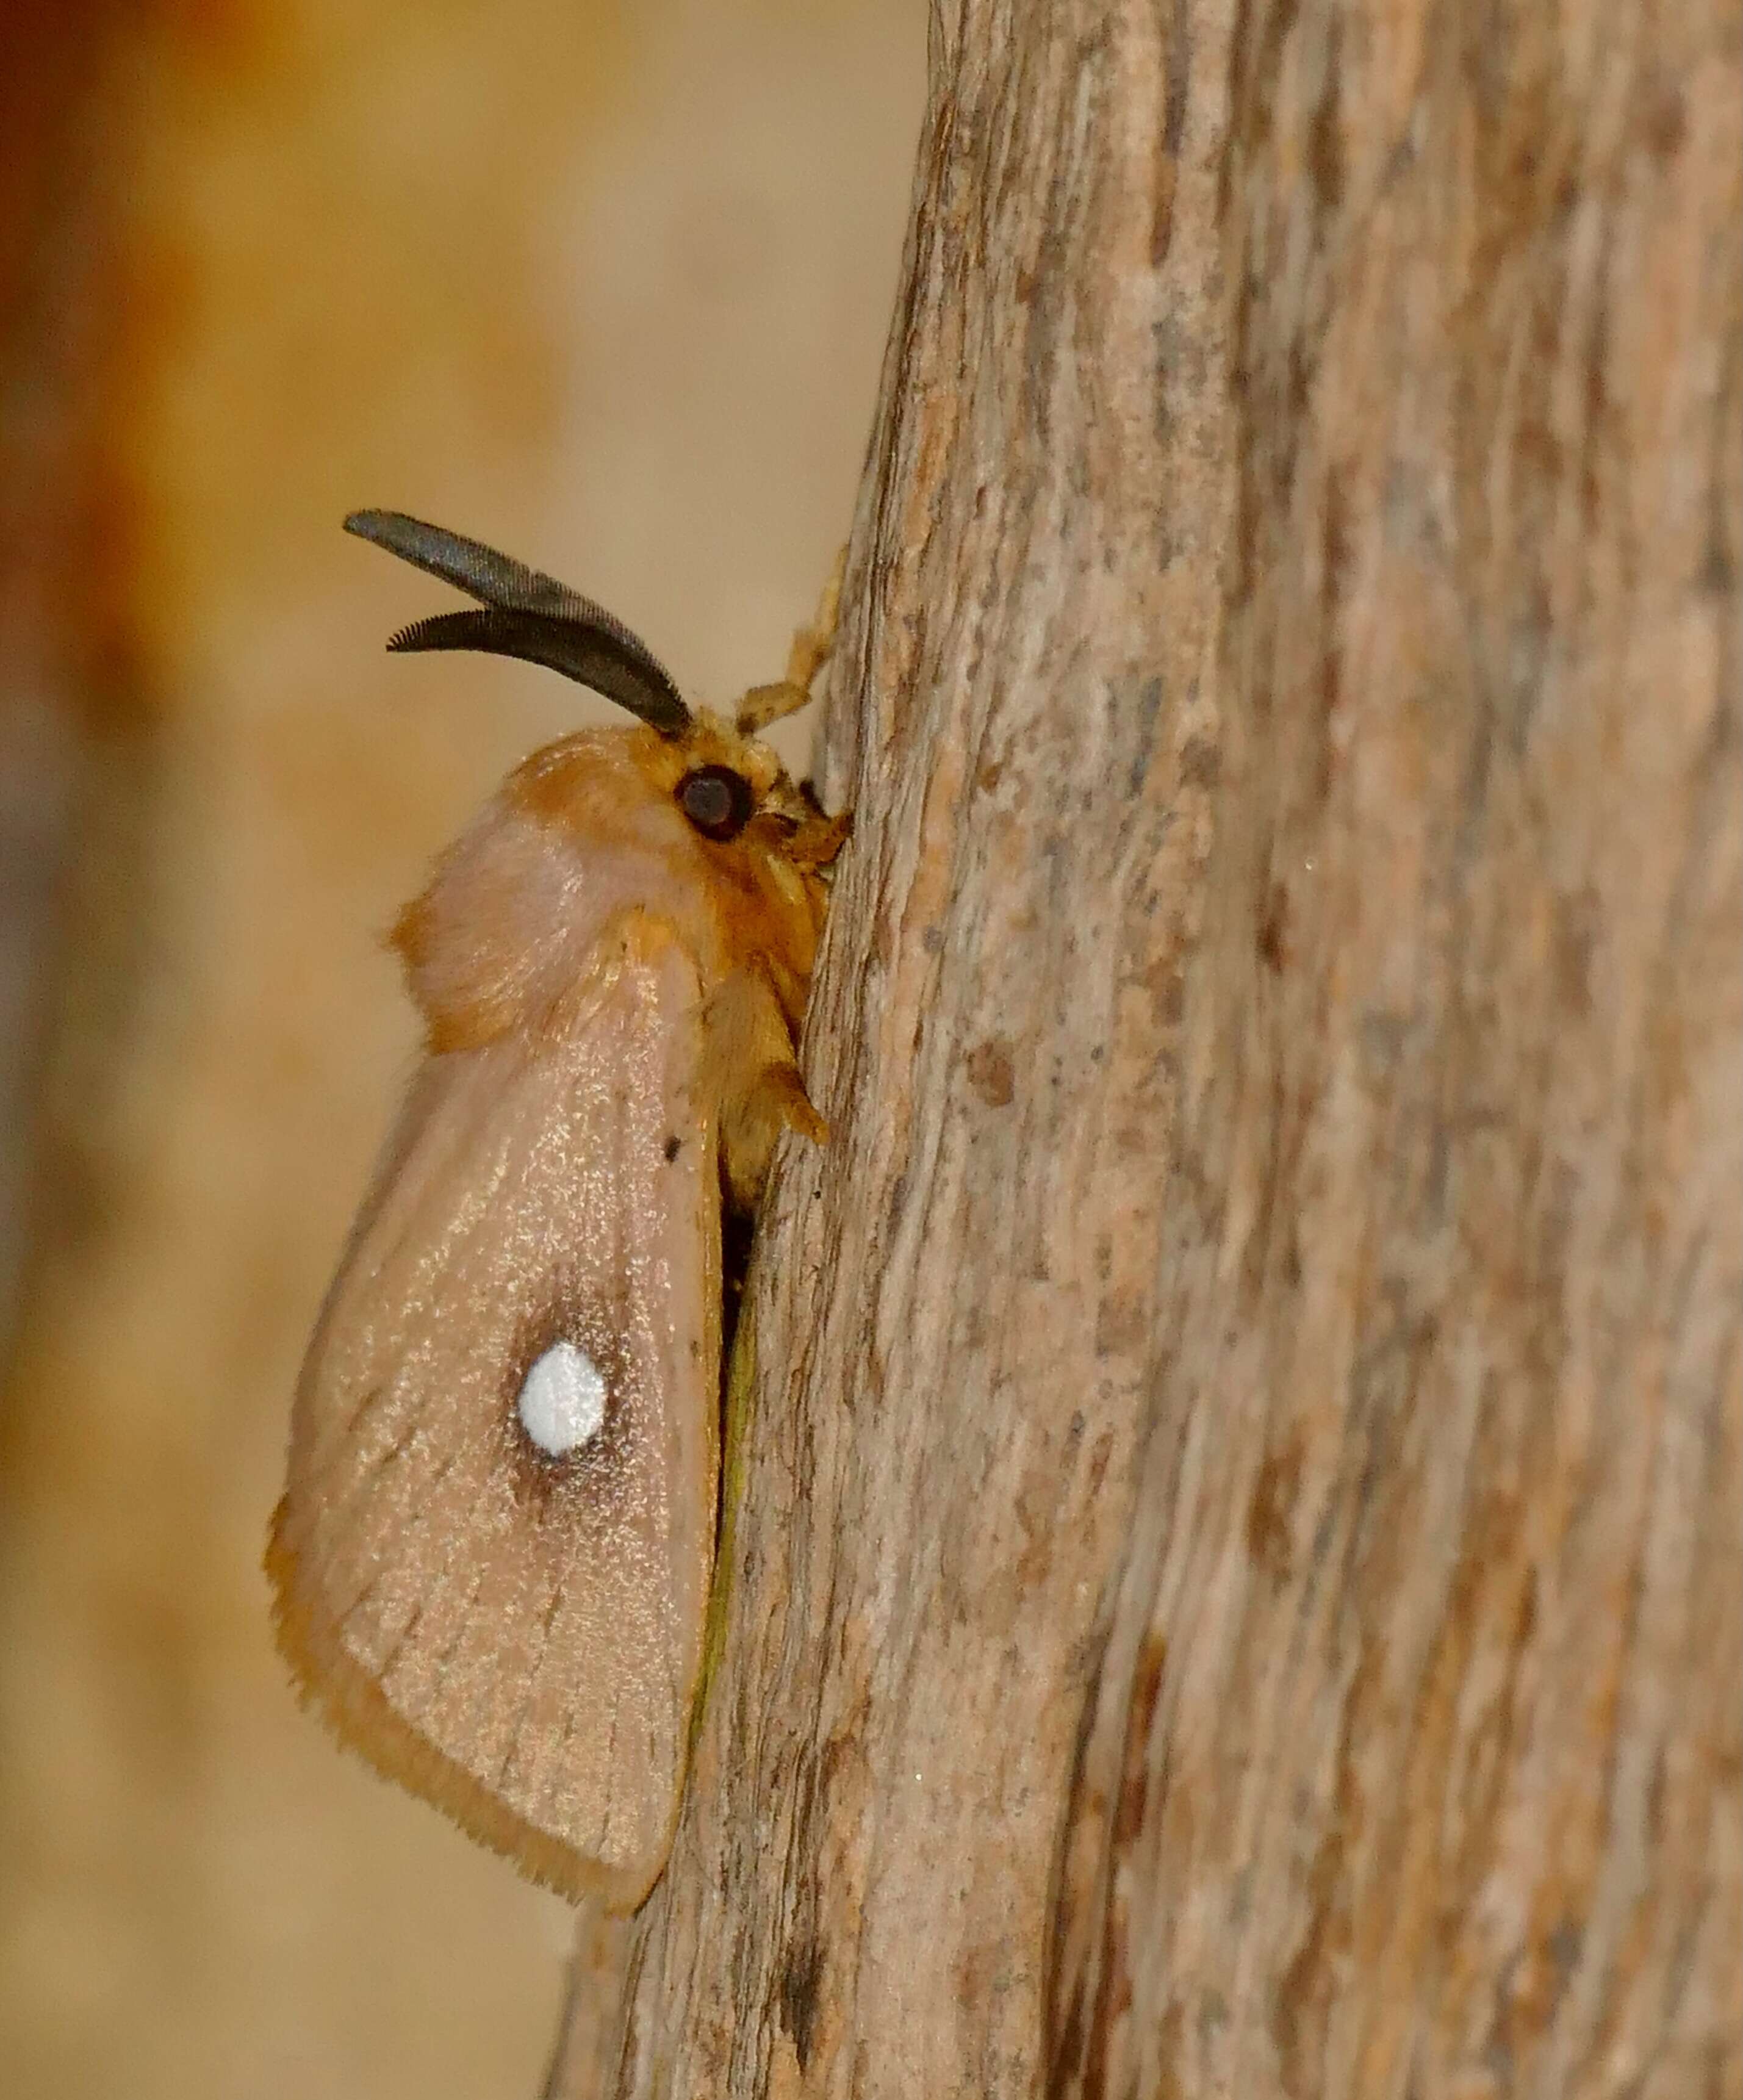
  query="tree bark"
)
[{"x": 1235, "y": 1577}]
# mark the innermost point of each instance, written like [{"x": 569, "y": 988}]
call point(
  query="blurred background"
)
[{"x": 608, "y": 285}]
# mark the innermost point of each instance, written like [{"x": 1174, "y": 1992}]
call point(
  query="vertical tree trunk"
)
[{"x": 1234, "y": 1560}]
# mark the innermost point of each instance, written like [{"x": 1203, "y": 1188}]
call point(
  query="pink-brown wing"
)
[{"x": 516, "y": 1636}]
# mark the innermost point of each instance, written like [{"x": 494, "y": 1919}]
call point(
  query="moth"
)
[{"x": 492, "y": 1558}]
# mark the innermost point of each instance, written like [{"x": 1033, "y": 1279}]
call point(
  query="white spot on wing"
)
[{"x": 562, "y": 1404}]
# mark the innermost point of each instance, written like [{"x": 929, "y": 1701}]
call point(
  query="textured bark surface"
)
[{"x": 1236, "y": 1583}]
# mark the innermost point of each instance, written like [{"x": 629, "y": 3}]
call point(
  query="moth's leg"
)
[
  {"x": 777, "y": 1097},
  {"x": 751, "y": 1121},
  {"x": 813, "y": 646},
  {"x": 819, "y": 839},
  {"x": 811, "y": 649},
  {"x": 748, "y": 1065}
]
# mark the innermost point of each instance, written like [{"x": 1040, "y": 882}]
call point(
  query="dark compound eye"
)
[{"x": 717, "y": 800}]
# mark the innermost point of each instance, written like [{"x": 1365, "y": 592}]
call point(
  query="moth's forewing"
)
[{"x": 513, "y": 1636}]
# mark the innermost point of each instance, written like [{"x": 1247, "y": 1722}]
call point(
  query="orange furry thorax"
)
[
  {"x": 585, "y": 863},
  {"x": 517, "y": 910}
]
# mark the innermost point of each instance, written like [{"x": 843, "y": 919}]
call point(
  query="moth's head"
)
[{"x": 721, "y": 781}]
